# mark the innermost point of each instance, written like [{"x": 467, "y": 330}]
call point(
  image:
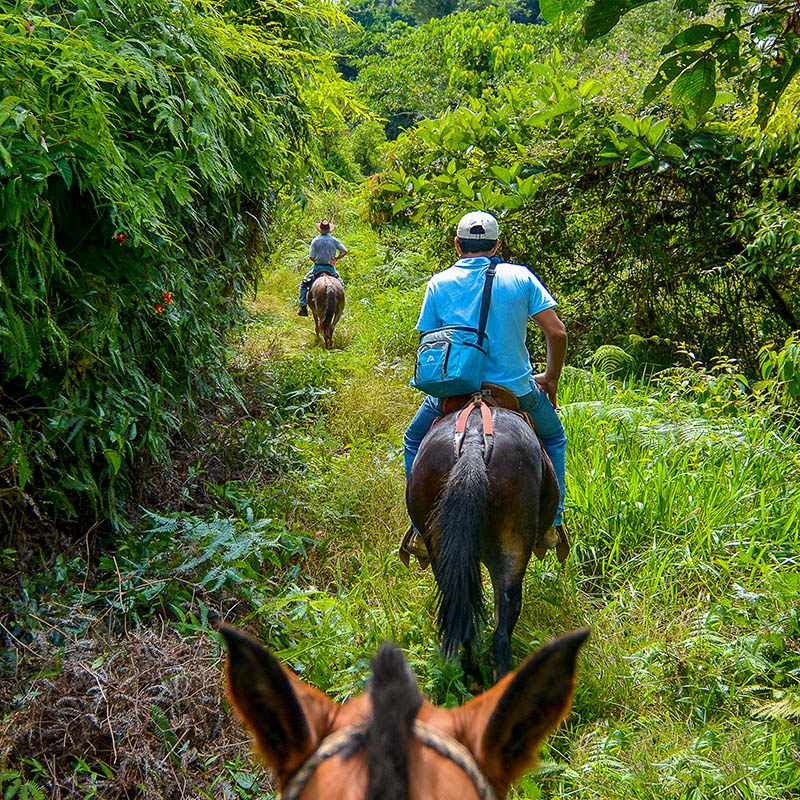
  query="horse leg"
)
[
  {"x": 472, "y": 672},
  {"x": 316, "y": 323},
  {"x": 507, "y": 605}
]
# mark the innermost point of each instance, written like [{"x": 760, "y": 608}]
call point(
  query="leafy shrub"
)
[{"x": 135, "y": 165}]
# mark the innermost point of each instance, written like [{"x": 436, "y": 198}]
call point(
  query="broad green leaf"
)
[
  {"x": 691, "y": 36},
  {"x": 465, "y": 188},
  {"x": 603, "y": 15},
  {"x": 695, "y": 88},
  {"x": 656, "y": 132},
  {"x": 502, "y": 174},
  {"x": 724, "y": 97},
  {"x": 629, "y": 123},
  {"x": 671, "y": 150},
  {"x": 114, "y": 459},
  {"x": 590, "y": 88},
  {"x": 726, "y": 51},
  {"x": 668, "y": 71},
  {"x": 640, "y": 158},
  {"x": 551, "y": 10},
  {"x": 772, "y": 84}
]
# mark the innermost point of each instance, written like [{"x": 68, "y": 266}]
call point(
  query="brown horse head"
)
[
  {"x": 326, "y": 301},
  {"x": 391, "y": 743}
]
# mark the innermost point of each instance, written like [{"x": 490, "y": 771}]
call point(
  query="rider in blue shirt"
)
[
  {"x": 324, "y": 252},
  {"x": 453, "y": 297}
]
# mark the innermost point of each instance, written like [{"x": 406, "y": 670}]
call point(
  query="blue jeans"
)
[
  {"x": 536, "y": 403},
  {"x": 305, "y": 285}
]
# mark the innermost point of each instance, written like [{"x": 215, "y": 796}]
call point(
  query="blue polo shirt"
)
[{"x": 453, "y": 297}]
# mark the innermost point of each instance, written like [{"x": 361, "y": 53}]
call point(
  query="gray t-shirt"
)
[{"x": 324, "y": 247}]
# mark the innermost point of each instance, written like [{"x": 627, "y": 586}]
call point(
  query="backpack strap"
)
[{"x": 487, "y": 294}]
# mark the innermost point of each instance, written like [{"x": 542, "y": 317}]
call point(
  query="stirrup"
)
[{"x": 412, "y": 544}]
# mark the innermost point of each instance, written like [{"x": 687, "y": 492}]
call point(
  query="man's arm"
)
[
  {"x": 341, "y": 252},
  {"x": 555, "y": 335}
]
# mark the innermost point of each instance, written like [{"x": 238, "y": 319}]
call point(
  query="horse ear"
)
[
  {"x": 286, "y": 715},
  {"x": 513, "y": 717}
]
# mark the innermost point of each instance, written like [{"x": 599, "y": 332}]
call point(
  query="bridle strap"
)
[
  {"x": 352, "y": 738},
  {"x": 449, "y": 748}
]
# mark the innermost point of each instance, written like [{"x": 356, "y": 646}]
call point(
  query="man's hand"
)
[{"x": 548, "y": 386}]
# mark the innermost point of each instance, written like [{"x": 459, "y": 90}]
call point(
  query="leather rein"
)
[{"x": 352, "y": 738}]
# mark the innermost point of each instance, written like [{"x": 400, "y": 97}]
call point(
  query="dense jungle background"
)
[{"x": 174, "y": 446}]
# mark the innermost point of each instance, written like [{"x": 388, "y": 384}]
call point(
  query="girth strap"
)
[{"x": 461, "y": 427}]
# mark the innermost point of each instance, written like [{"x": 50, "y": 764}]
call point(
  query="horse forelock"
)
[{"x": 395, "y": 703}]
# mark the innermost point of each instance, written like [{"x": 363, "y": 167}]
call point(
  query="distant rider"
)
[
  {"x": 324, "y": 252},
  {"x": 453, "y": 297}
]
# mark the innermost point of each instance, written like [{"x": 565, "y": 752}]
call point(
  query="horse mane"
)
[{"x": 395, "y": 703}]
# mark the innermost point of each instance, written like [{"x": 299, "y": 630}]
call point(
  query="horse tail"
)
[
  {"x": 330, "y": 308},
  {"x": 456, "y": 522}
]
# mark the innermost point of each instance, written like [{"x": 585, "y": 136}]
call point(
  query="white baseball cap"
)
[{"x": 478, "y": 226}]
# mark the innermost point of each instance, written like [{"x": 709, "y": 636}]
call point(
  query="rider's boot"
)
[
  {"x": 302, "y": 311},
  {"x": 413, "y": 544},
  {"x": 555, "y": 539}
]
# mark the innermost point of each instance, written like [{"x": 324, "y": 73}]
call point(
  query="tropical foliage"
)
[
  {"x": 756, "y": 45},
  {"x": 139, "y": 148}
]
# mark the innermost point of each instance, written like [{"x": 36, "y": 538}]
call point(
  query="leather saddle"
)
[{"x": 493, "y": 395}]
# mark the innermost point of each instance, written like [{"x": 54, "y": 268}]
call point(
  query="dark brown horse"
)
[
  {"x": 471, "y": 512},
  {"x": 391, "y": 743},
  {"x": 326, "y": 301}
]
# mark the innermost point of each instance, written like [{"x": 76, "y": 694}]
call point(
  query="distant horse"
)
[
  {"x": 470, "y": 512},
  {"x": 391, "y": 743},
  {"x": 326, "y": 301}
]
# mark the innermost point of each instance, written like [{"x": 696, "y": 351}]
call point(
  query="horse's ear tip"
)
[
  {"x": 582, "y": 634},
  {"x": 574, "y": 641},
  {"x": 234, "y": 638}
]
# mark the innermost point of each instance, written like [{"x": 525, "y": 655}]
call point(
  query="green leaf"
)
[
  {"x": 656, "y": 132},
  {"x": 640, "y": 158},
  {"x": 114, "y": 459},
  {"x": 668, "y": 71},
  {"x": 603, "y": 15},
  {"x": 465, "y": 188},
  {"x": 773, "y": 82},
  {"x": 551, "y": 10},
  {"x": 695, "y": 88},
  {"x": 627, "y": 122},
  {"x": 691, "y": 36},
  {"x": 671, "y": 150},
  {"x": 502, "y": 174}
]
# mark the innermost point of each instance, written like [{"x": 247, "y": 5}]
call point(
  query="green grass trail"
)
[{"x": 685, "y": 531}]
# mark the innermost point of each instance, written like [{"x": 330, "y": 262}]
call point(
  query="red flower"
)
[
  {"x": 167, "y": 297},
  {"x": 159, "y": 308},
  {"x": 121, "y": 238}
]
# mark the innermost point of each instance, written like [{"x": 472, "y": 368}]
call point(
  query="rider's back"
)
[{"x": 453, "y": 297}]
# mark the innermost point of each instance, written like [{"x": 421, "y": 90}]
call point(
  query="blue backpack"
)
[{"x": 452, "y": 360}]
